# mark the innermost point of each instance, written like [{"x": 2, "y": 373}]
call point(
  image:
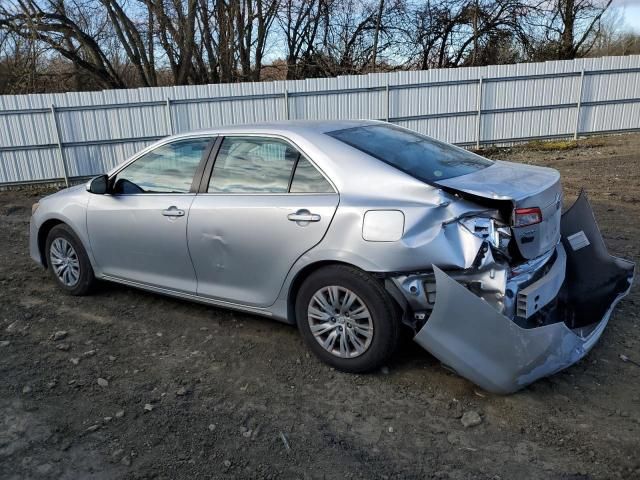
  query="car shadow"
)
[{"x": 409, "y": 355}]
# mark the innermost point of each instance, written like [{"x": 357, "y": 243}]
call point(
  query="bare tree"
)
[
  {"x": 376, "y": 34},
  {"x": 176, "y": 26},
  {"x": 121, "y": 43},
  {"x": 253, "y": 20},
  {"x": 578, "y": 20},
  {"x": 564, "y": 29},
  {"x": 300, "y": 21},
  {"x": 137, "y": 43},
  {"x": 74, "y": 35}
]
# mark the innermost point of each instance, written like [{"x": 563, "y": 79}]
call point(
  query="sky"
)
[{"x": 631, "y": 9}]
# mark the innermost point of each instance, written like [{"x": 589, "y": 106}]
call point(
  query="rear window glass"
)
[{"x": 420, "y": 156}]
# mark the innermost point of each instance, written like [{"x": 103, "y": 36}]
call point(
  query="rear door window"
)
[{"x": 253, "y": 165}]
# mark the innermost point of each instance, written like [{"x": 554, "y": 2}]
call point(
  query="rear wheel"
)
[
  {"x": 68, "y": 261},
  {"x": 347, "y": 318}
]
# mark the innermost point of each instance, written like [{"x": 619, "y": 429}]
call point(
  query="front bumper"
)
[
  {"x": 34, "y": 248},
  {"x": 474, "y": 338}
]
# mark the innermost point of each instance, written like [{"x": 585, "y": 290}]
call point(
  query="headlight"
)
[{"x": 34, "y": 207}]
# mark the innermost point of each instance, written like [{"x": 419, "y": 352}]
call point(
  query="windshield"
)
[{"x": 420, "y": 156}]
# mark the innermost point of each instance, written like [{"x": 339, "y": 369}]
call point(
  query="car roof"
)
[{"x": 285, "y": 126}]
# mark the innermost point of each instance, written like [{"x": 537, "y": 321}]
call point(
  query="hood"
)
[{"x": 524, "y": 186}]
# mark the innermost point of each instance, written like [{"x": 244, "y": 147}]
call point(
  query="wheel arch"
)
[
  {"x": 302, "y": 275},
  {"x": 43, "y": 232}
]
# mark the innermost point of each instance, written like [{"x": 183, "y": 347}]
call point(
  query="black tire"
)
[
  {"x": 86, "y": 279},
  {"x": 383, "y": 312}
]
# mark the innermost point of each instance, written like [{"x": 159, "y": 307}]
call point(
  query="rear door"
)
[
  {"x": 262, "y": 206},
  {"x": 138, "y": 231}
]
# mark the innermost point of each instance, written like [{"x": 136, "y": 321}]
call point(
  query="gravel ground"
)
[{"x": 127, "y": 384}]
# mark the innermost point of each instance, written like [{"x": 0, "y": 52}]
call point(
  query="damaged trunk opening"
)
[{"x": 504, "y": 327}]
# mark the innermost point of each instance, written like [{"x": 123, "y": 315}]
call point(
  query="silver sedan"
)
[{"x": 353, "y": 230}]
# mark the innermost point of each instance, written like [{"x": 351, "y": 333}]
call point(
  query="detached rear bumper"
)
[{"x": 471, "y": 336}]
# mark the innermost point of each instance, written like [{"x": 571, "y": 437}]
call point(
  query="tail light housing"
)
[{"x": 523, "y": 217}]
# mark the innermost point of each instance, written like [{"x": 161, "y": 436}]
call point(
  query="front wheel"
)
[
  {"x": 347, "y": 318},
  {"x": 68, "y": 261}
]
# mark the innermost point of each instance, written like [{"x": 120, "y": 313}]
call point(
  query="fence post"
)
[
  {"x": 577, "y": 126},
  {"x": 387, "y": 98},
  {"x": 56, "y": 131},
  {"x": 286, "y": 103},
  {"x": 479, "y": 117},
  {"x": 168, "y": 116}
]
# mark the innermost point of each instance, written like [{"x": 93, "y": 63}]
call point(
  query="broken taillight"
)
[{"x": 526, "y": 216}]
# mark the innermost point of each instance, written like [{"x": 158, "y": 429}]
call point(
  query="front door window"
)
[{"x": 169, "y": 168}]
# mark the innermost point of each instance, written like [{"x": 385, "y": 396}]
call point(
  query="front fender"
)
[{"x": 67, "y": 206}]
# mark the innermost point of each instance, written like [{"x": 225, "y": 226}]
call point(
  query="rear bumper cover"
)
[{"x": 481, "y": 344}]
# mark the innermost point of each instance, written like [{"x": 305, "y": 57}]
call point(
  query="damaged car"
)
[{"x": 353, "y": 230}]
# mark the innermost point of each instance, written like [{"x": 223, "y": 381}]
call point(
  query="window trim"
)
[
  {"x": 208, "y": 170},
  {"x": 197, "y": 176},
  {"x": 293, "y": 172}
]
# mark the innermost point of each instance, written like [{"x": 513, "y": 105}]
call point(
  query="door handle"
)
[
  {"x": 173, "y": 212},
  {"x": 303, "y": 216}
]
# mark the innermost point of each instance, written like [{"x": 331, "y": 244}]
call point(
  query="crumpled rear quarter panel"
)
[{"x": 484, "y": 346}]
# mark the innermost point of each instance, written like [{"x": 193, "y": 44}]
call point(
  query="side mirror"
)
[{"x": 98, "y": 185}]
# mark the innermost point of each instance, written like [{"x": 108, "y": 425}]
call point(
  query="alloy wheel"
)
[
  {"x": 64, "y": 261},
  {"x": 340, "y": 321}
]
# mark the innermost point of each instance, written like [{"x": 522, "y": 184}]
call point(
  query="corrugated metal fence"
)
[{"x": 61, "y": 136}]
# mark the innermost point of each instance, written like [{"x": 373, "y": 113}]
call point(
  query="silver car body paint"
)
[
  {"x": 232, "y": 235},
  {"x": 490, "y": 349},
  {"x": 66, "y": 206},
  {"x": 131, "y": 240},
  {"x": 497, "y": 354},
  {"x": 240, "y": 251},
  {"x": 526, "y": 186},
  {"x": 383, "y": 225}
]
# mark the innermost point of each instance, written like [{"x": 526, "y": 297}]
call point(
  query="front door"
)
[
  {"x": 138, "y": 231},
  {"x": 265, "y": 206}
]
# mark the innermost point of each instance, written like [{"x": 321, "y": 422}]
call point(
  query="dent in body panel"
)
[
  {"x": 524, "y": 186},
  {"x": 218, "y": 248},
  {"x": 243, "y": 246},
  {"x": 492, "y": 350},
  {"x": 430, "y": 234}
]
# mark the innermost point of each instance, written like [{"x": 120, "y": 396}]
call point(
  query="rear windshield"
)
[{"x": 420, "y": 156}]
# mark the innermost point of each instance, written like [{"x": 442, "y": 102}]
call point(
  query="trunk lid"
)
[{"x": 525, "y": 186}]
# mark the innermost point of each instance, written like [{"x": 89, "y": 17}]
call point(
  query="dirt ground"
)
[{"x": 190, "y": 391}]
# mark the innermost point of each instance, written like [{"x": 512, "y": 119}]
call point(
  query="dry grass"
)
[
  {"x": 546, "y": 145},
  {"x": 541, "y": 146}
]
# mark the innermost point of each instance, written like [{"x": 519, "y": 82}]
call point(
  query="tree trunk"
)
[
  {"x": 567, "y": 51},
  {"x": 376, "y": 34}
]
